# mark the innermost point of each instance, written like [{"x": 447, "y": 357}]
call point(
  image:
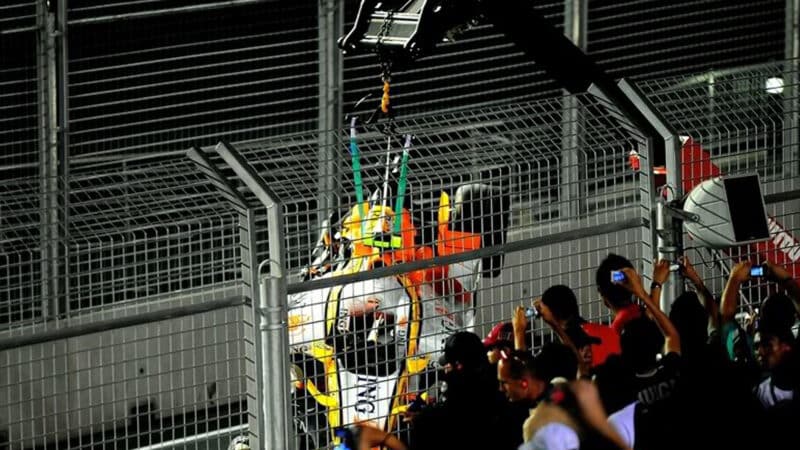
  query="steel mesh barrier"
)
[
  {"x": 490, "y": 213},
  {"x": 237, "y": 71},
  {"x": 19, "y": 84},
  {"x": 545, "y": 185},
  {"x": 736, "y": 121},
  {"x": 131, "y": 232},
  {"x": 499, "y": 146},
  {"x": 130, "y": 387},
  {"x": 645, "y": 39},
  {"x": 127, "y": 325},
  {"x": 127, "y": 306}
]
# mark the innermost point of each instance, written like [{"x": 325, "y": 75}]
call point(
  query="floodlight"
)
[{"x": 729, "y": 211}]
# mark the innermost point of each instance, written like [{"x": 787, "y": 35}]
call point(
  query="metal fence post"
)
[
  {"x": 277, "y": 409},
  {"x": 331, "y": 25},
  {"x": 250, "y": 268},
  {"x": 668, "y": 239},
  {"x": 272, "y": 327},
  {"x": 575, "y": 14},
  {"x": 791, "y": 144},
  {"x": 62, "y": 87},
  {"x": 49, "y": 95}
]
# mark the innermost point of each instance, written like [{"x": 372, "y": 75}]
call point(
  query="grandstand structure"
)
[{"x": 168, "y": 167}]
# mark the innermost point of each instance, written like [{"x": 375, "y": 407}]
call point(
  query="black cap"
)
[
  {"x": 465, "y": 348},
  {"x": 579, "y": 337}
]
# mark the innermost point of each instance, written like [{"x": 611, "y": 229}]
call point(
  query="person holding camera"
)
[
  {"x": 595, "y": 341},
  {"x": 609, "y": 278},
  {"x": 770, "y": 357}
]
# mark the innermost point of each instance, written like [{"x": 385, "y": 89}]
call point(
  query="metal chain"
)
[
  {"x": 386, "y": 73},
  {"x": 386, "y": 26}
]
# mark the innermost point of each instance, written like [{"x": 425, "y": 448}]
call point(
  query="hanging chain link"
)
[
  {"x": 386, "y": 73},
  {"x": 386, "y": 65}
]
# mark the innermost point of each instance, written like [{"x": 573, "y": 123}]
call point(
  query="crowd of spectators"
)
[{"x": 693, "y": 376}]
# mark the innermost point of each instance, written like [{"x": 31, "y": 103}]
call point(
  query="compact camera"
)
[
  {"x": 758, "y": 271},
  {"x": 617, "y": 276}
]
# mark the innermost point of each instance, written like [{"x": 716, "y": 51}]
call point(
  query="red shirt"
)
[
  {"x": 625, "y": 315},
  {"x": 609, "y": 341}
]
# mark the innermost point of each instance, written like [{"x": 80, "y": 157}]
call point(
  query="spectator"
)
[
  {"x": 468, "y": 401},
  {"x": 557, "y": 362},
  {"x": 519, "y": 378},
  {"x": 708, "y": 301},
  {"x": 776, "y": 351},
  {"x": 564, "y": 305},
  {"x": 615, "y": 296},
  {"x": 651, "y": 381},
  {"x": 574, "y": 338},
  {"x": 775, "y": 394},
  {"x": 501, "y": 338},
  {"x": 570, "y": 416}
]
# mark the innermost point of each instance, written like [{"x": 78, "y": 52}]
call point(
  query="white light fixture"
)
[{"x": 774, "y": 85}]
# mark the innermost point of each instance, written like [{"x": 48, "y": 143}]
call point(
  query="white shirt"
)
[
  {"x": 622, "y": 421},
  {"x": 553, "y": 436},
  {"x": 770, "y": 395}
]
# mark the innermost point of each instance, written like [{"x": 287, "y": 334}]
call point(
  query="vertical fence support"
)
[
  {"x": 668, "y": 240},
  {"x": 575, "y": 15},
  {"x": 273, "y": 331},
  {"x": 251, "y": 291},
  {"x": 277, "y": 408},
  {"x": 48, "y": 93},
  {"x": 791, "y": 143},
  {"x": 62, "y": 86},
  {"x": 331, "y": 25},
  {"x": 255, "y": 380}
]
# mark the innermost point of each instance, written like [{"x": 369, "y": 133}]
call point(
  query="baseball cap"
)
[
  {"x": 502, "y": 334},
  {"x": 579, "y": 337},
  {"x": 465, "y": 348}
]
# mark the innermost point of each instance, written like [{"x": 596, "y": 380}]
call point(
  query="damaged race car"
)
[{"x": 361, "y": 351}]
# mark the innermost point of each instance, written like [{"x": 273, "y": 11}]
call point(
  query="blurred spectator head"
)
[
  {"x": 614, "y": 295},
  {"x": 562, "y": 302},
  {"x": 641, "y": 341},
  {"x": 581, "y": 340},
  {"x": 519, "y": 377},
  {"x": 556, "y": 360},
  {"x": 691, "y": 321},
  {"x": 777, "y": 312},
  {"x": 463, "y": 351},
  {"x": 774, "y": 340}
]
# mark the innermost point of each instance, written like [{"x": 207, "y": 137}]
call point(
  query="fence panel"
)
[
  {"x": 128, "y": 387},
  {"x": 135, "y": 334},
  {"x": 19, "y": 87},
  {"x": 244, "y": 71},
  {"x": 366, "y": 326},
  {"x": 740, "y": 120}
]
